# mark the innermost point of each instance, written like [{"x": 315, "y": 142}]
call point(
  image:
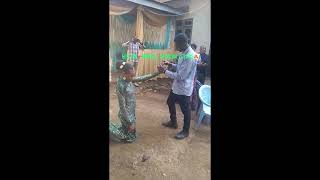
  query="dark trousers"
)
[
  {"x": 135, "y": 66},
  {"x": 201, "y": 77},
  {"x": 184, "y": 102}
]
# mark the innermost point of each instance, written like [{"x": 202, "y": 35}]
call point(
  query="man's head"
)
[
  {"x": 203, "y": 49},
  {"x": 181, "y": 42},
  {"x": 193, "y": 46},
  {"x": 134, "y": 39}
]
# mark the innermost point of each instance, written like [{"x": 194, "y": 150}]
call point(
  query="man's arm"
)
[
  {"x": 184, "y": 70},
  {"x": 125, "y": 44},
  {"x": 141, "y": 45},
  {"x": 172, "y": 66}
]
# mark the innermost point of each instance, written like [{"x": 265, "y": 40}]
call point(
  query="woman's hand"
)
[{"x": 131, "y": 128}]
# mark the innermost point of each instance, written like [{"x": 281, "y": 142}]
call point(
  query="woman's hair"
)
[{"x": 123, "y": 66}]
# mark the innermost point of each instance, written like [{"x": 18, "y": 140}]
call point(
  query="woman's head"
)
[{"x": 126, "y": 69}]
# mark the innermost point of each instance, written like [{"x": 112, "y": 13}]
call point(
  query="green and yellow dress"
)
[{"x": 127, "y": 112}]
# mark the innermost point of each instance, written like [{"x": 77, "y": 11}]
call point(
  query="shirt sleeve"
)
[
  {"x": 141, "y": 45},
  {"x": 173, "y": 68},
  {"x": 125, "y": 44},
  {"x": 183, "y": 72},
  {"x": 206, "y": 59}
]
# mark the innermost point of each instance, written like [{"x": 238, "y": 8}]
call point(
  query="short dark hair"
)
[
  {"x": 194, "y": 45},
  {"x": 181, "y": 38}
]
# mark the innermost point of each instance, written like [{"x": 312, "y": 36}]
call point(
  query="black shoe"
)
[
  {"x": 170, "y": 124},
  {"x": 182, "y": 134}
]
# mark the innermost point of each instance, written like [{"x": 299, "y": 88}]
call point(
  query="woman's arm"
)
[
  {"x": 145, "y": 77},
  {"x": 122, "y": 104}
]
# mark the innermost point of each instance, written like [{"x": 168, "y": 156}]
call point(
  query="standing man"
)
[
  {"x": 182, "y": 86},
  {"x": 133, "y": 51},
  {"x": 202, "y": 65}
]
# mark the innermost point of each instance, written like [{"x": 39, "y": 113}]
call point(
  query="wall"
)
[{"x": 200, "y": 11}]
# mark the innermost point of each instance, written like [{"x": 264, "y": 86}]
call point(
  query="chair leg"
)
[{"x": 201, "y": 116}]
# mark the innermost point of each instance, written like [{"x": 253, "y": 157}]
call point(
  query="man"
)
[
  {"x": 202, "y": 65},
  {"x": 182, "y": 86},
  {"x": 133, "y": 51}
]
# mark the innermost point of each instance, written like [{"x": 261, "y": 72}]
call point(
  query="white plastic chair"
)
[{"x": 205, "y": 98}]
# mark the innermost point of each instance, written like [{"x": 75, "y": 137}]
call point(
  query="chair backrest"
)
[
  {"x": 205, "y": 94},
  {"x": 198, "y": 85}
]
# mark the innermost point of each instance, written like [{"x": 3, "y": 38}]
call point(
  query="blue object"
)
[
  {"x": 205, "y": 98},
  {"x": 167, "y": 35}
]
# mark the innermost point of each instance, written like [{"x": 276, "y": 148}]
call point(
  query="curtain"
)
[
  {"x": 159, "y": 29},
  {"x": 153, "y": 19},
  {"x": 139, "y": 24},
  {"x": 150, "y": 26},
  {"x": 148, "y": 66},
  {"x": 118, "y": 7},
  {"x": 119, "y": 32}
]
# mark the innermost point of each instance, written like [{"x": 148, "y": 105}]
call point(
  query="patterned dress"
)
[{"x": 127, "y": 113}]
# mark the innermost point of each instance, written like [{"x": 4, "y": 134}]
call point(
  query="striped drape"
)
[{"x": 155, "y": 30}]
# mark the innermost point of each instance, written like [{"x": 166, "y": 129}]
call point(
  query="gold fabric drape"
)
[
  {"x": 149, "y": 26},
  {"x": 154, "y": 34},
  {"x": 120, "y": 31},
  {"x": 119, "y": 7},
  {"x": 148, "y": 66},
  {"x": 154, "y": 19},
  {"x": 139, "y": 24}
]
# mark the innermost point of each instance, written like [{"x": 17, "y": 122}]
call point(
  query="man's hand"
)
[
  {"x": 161, "y": 69},
  {"x": 202, "y": 64},
  {"x": 167, "y": 63}
]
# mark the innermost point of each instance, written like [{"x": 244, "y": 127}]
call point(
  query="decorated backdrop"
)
[{"x": 156, "y": 31}]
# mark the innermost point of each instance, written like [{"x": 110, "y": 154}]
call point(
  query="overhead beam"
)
[{"x": 157, "y": 5}]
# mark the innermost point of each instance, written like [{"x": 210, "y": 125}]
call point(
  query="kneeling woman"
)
[{"x": 125, "y": 130}]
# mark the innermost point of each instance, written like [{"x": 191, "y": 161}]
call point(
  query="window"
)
[
  {"x": 185, "y": 26},
  {"x": 179, "y": 23}
]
